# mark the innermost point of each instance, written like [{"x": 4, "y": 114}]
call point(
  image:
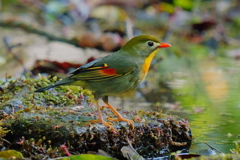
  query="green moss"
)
[
  {"x": 10, "y": 154},
  {"x": 23, "y": 90}
]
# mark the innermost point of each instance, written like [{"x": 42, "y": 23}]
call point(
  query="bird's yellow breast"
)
[{"x": 147, "y": 63}]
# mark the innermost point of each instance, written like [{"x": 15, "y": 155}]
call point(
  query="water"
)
[{"x": 211, "y": 94}]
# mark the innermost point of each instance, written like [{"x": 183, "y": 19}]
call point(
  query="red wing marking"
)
[{"x": 109, "y": 71}]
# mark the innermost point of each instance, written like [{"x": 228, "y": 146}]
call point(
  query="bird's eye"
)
[{"x": 150, "y": 43}]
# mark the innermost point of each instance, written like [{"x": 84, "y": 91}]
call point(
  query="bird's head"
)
[{"x": 144, "y": 45}]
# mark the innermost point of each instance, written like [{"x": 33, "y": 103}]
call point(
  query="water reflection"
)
[
  {"x": 206, "y": 92},
  {"x": 214, "y": 88}
]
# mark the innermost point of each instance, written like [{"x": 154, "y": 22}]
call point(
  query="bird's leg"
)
[
  {"x": 120, "y": 118},
  {"x": 101, "y": 120}
]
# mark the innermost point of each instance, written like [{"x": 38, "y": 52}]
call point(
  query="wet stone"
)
[{"x": 40, "y": 127}]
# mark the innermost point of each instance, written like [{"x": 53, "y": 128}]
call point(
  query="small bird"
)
[{"x": 115, "y": 74}]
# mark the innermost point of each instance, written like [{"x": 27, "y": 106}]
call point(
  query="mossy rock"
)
[{"x": 37, "y": 124}]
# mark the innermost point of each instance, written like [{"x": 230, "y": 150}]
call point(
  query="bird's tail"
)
[
  {"x": 46, "y": 88},
  {"x": 59, "y": 83}
]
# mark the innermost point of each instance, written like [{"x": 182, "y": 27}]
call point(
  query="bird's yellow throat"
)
[{"x": 147, "y": 62}]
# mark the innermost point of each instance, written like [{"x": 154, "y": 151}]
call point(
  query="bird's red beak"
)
[{"x": 164, "y": 45}]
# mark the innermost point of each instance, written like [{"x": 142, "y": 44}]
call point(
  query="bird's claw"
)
[
  {"x": 107, "y": 124},
  {"x": 130, "y": 122}
]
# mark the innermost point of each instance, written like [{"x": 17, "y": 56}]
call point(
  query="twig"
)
[
  {"x": 11, "y": 23},
  {"x": 6, "y": 77},
  {"x": 9, "y": 49},
  {"x": 5, "y": 140},
  {"x": 129, "y": 28},
  {"x": 213, "y": 148}
]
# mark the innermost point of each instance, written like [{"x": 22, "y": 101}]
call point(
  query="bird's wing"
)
[{"x": 97, "y": 70}]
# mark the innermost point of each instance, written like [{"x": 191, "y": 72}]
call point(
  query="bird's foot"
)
[
  {"x": 130, "y": 122},
  {"x": 107, "y": 124}
]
